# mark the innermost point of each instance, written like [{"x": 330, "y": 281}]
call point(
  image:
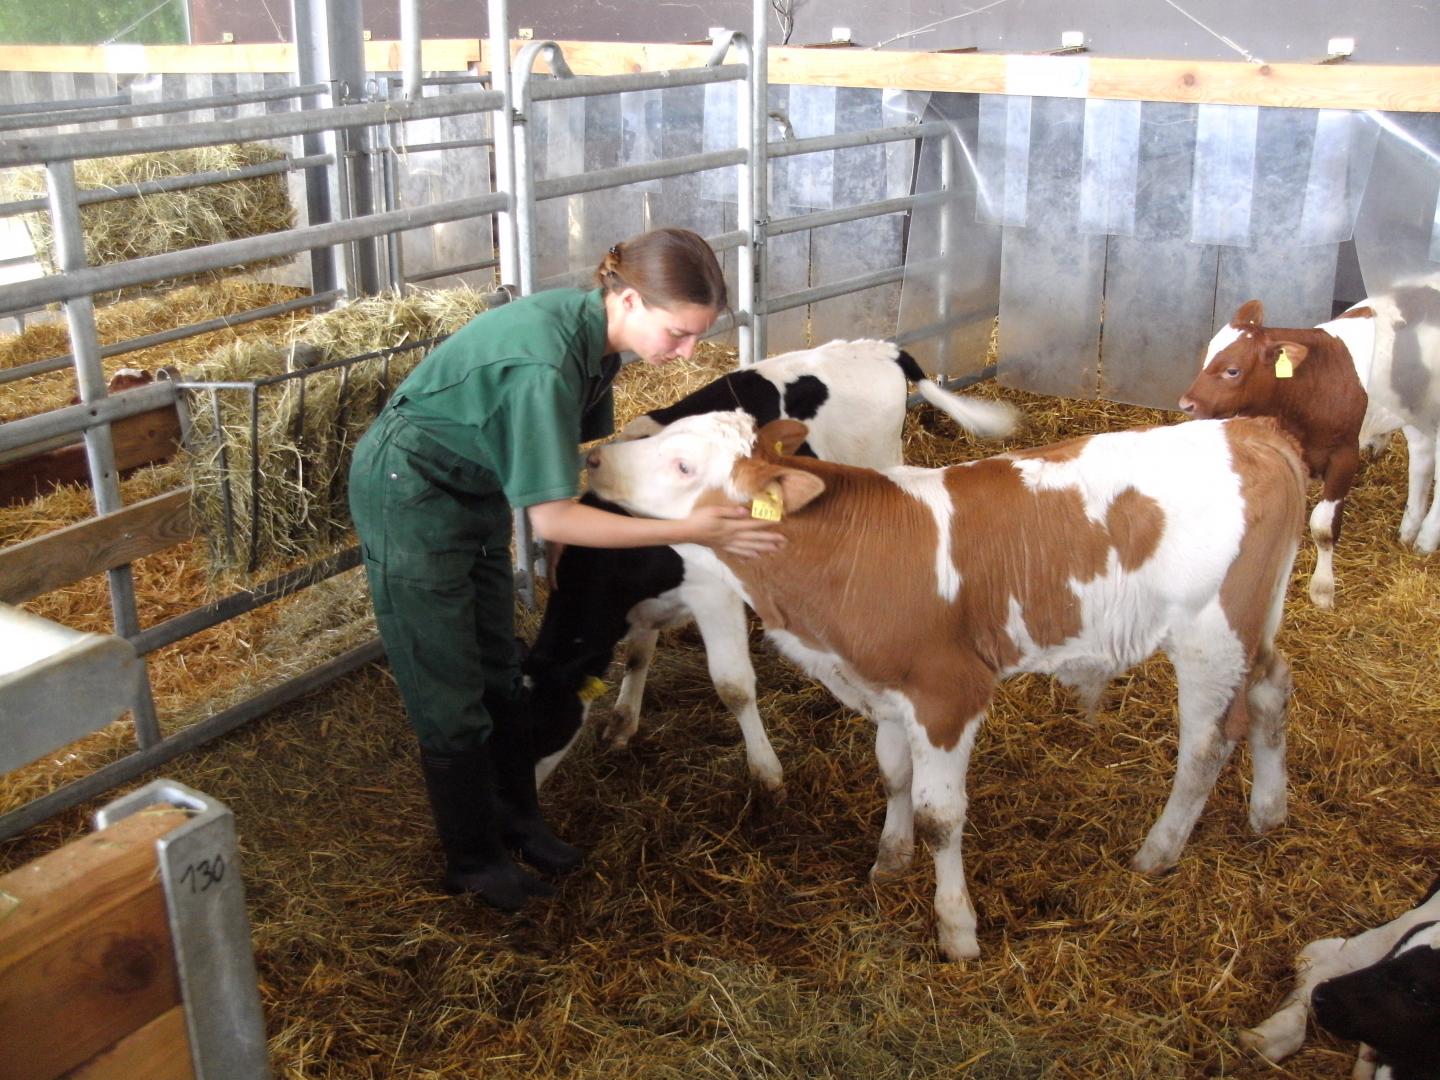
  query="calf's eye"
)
[
  {"x": 1232, "y": 372},
  {"x": 684, "y": 467}
]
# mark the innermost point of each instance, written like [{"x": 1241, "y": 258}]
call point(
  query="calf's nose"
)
[
  {"x": 1187, "y": 406},
  {"x": 592, "y": 460}
]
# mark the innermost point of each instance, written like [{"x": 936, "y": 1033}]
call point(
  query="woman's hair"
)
[{"x": 666, "y": 267}]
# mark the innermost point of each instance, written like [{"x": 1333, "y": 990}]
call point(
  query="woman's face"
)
[{"x": 655, "y": 334}]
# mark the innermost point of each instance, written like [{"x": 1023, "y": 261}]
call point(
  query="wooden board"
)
[
  {"x": 93, "y": 546},
  {"x": 85, "y": 951},
  {"x": 1406, "y": 88},
  {"x": 158, "y": 1051},
  {"x": 139, "y": 440}
]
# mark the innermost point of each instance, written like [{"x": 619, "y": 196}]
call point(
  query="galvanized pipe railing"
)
[{"x": 156, "y": 108}]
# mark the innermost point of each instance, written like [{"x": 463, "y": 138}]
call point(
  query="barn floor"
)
[{"x": 717, "y": 933}]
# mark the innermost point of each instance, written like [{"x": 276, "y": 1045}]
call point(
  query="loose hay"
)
[
  {"x": 714, "y": 933},
  {"x": 269, "y": 470},
  {"x": 154, "y": 224}
]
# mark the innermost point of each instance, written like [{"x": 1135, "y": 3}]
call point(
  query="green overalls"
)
[{"x": 492, "y": 419}]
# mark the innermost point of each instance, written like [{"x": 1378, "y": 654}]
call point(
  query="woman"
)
[{"x": 489, "y": 422}]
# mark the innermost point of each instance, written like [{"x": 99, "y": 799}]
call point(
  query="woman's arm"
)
[{"x": 729, "y": 528}]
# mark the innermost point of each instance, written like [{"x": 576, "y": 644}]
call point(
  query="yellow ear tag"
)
[
  {"x": 591, "y": 689},
  {"x": 768, "y": 505},
  {"x": 779, "y": 447},
  {"x": 1283, "y": 368}
]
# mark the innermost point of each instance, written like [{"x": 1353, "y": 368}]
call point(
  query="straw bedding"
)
[{"x": 715, "y": 933}]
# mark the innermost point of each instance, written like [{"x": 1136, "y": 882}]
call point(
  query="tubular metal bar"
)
[
  {"x": 436, "y": 80},
  {"x": 62, "y": 104},
  {"x": 156, "y": 108},
  {"x": 401, "y": 149},
  {"x": 132, "y": 765},
  {"x": 446, "y": 271},
  {"x": 410, "y": 48},
  {"x": 96, "y": 279},
  {"x": 69, "y": 246},
  {"x": 38, "y": 149},
  {"x": 578, "y": 278},
  {"x": 503, "y": 131},
  {"x": 523, "y": 85},
  {"x": 752, "y": 340},
  {"x": 91, "y": 196},
  {"x": 902, "y": 204},
  {"x": 633, "y": 174},
  {"x": 222, "y": 322},
  {"x": 746, "y": 136},
  {"x": 567, "y": 86},
  {"x": 873, "y": 137},
  {"x": 827, "y": 292},
  {"x": 935, "y": 329},
  {"x": 227, "y": 607}
]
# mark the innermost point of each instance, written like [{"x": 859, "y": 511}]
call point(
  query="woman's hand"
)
[{"x": 732, "y": 530}]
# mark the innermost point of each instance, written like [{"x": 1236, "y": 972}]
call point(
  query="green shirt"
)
[{"x": 517, "y": 389}]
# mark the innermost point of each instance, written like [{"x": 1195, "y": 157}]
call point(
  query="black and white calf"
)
[
  {"x": 1381, "y": 987},
  {"x": 852, "y": 395}
]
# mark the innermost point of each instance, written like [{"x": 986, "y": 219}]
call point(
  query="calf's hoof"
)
[
  {"x": 1274, "y": 1042},
  {"x": 619, "y": 729},
  {"x": 1152, "y": 863},
  {"x": 1322, "y": 594},
  {"x": 891, "y": 862},
  {"x": 957, "y": 945}
]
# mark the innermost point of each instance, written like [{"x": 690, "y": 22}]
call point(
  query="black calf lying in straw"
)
[
  {"x": 1381, "y": 987},
  {"x": 852, "y": 395}
]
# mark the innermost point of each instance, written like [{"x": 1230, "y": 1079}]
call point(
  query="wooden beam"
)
[
  {"x": 93, "y": 546},
  {"x": 142, "y": 439},
  {"x": 1404, "y": 88},
  {"x": 85, "y": 950}
]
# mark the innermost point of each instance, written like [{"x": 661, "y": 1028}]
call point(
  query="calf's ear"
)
[
  {"x": 1286, "y": 355},
  {"x": 797, "y": 487},
  {"x": 782, "y": 436},
  {"x": 1251, "y": 314}
]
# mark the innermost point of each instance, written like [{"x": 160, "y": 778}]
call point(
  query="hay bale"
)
[
  {"x": 154, "y": 224},
  {"x": 272, "y": 488}
]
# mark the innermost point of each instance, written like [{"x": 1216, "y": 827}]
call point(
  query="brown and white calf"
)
[
  {"x": 852, "y": 397},
  {"x": 1343, "y": 383},
  {"x": 908, "y": 592}
]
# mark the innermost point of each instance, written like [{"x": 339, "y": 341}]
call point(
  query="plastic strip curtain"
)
[
  {"x": 1397, "y": 232},
  {"x": 952, "y": 264},
  {"x": 864, "y": 174},
  {"x": 1293, "y": 276},
  {"x": 1159, "y": 286},
  {"x": 1051, "y": 274},
  {"x": 798, "y": 184}
]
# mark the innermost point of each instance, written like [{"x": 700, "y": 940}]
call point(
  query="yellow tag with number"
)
[
  {"x": 1283, "y": 368},
  {"x": 591, "y": 689},
  {"x": 768, "y": 505}
]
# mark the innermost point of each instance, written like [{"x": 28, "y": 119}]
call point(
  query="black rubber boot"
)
[
  {"x": 463, "y": 796},
  {"x": 522, "y": 826}
]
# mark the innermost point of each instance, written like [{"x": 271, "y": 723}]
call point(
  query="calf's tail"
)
[{"x": 983, "y": 418}]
